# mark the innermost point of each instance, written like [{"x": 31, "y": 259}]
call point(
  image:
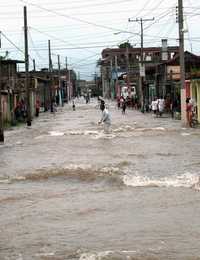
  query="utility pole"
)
[
  {"x": 66, "y": 65},
  {"x": 27, "y": 81},
  {"x": 78, "y": 88},
  {"x": 110, "y": 94},
  {"x": 116, "y": 81},
  {"x": 34, "y": 69},
  {"x": 1, "y": 108},
  {"x": 50, "y": 78},
  {"x": 127, "y": 67},
  {"x": 59, "y": 80},
  {"x": 142, "y": 69},
  {"x": 182, "y": 61},
  {"x": 69, "y": 81}
]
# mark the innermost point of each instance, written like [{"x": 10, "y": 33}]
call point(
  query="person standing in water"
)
[{"x": 105, "y": 119}]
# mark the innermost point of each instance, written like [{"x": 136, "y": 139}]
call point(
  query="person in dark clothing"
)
[
  {"x": 37, "y": 108},
  {"x": 73, "y": 106},
  {"x": 124, "y": 107},
  {"x": 102, "y": 105}
]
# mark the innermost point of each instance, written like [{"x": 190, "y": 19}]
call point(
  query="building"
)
[
  {"x": 43, "y": 87},
  {"x": 122, "y": 65},
  {"x": 10, "y": 87}
]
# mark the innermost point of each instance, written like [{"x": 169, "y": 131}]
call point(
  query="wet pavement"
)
[{"x": 69, "y": 191}]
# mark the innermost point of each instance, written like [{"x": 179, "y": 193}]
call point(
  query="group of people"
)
[
  {"x": 157, "y": 106},
  {"x": 123, "y": 102},
  {"x": 20, "y": 110}
]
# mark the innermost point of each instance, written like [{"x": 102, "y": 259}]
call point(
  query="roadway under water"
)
[{"x": 68, "y": 191}]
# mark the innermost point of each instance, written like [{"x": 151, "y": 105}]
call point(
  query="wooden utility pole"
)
[
  {"x": 27, "y": 82},
  {"x": 34, "y": 69},
  {"x": 142, "y": 69},
  {"x": 1, "y": 109},
  {"x": 116, "y": 81},
  {"x": 59, "y": 82},
  {"x": 182, "y": 61},
  {"x": 66, "y": 65},
  {"x": 50, "y": 78},
  {"x": 69, "y": 81},
  {"x": 110, "y": 94},
  {"x": 127, "y": 67}
]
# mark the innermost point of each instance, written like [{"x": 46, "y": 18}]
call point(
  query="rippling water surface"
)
[{"x": 68, "y": 191}]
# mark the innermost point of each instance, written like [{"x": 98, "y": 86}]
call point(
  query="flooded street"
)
[{"x": 69, "y": 191}]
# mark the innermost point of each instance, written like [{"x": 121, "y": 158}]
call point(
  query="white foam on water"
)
[
  {"x": 90, "y": 132},
  {"x": 185, "y": 134},
  {"x": 78, "y": 166},
  {"x": 186, "y": 180},
  {"x": 19, "y": 143},
  {"x": 110, "y": 169},
  {"x": 117, "y": 130},
  {"x": 55, "y": 133},
  {"x": 124, "y": 129},
  {"x": 86, "y": 132},
  {"x": 40, "y": 137},
  {"x": 76, "y": 132},
  {"x": 102, "y": 135},
  {"x": 159, "y": 128},
  {"x": 5, "y": 181},
  {"x": 107, "y": 255},
  {"x": 45, "y": 254},
  {"x": 19, "y": 178},
  {"x": 95, "y": 256}
]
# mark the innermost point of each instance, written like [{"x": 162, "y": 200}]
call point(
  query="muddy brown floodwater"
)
[{"x": 69, "y": 191}]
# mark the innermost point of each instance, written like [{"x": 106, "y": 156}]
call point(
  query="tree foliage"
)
[{"x": 125, "y": 45}]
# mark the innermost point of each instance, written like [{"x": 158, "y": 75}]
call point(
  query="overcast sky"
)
[{"x": 81, "y": 29}]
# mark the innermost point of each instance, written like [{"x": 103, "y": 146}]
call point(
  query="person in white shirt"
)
[
  {"x": 154, "y": 106},
  {"x": 161, "y": 105},
  {"x": 106, "y": 120}
]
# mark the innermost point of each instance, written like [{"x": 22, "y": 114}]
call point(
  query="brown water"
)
[{"x": 68, "y": 191}]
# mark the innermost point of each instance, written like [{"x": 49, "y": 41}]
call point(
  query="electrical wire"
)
[
  {"x": 56, "y": 38},
  {"x": 72, "y": 18},
  {"x": 37, "y": 53},
  {"x": 11, "y": 42}
]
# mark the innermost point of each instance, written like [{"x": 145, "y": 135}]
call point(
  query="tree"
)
[{"x": 125, "y": 45}]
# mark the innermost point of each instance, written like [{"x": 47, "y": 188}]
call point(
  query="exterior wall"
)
[
  {"x": 195, "y": 94},
  {"x": 6, "y": 108},
  {"x": 187, "y": 88}
]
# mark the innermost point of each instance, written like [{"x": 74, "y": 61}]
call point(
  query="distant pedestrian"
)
[
  {"x": 124, "y": 107},
  {"x": 161, "y": 105},
  {"x": 105, "y": 119},
  {"x": 189, "y": 111},
  {"x": 37, "y": 108},
  {"x": 54, "y": 107},
  {"x": 73, "y": 105},
  {"x": 154, "y": 106}
]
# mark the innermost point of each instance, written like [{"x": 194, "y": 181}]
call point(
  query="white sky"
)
[{"x": 81, "y": 29}]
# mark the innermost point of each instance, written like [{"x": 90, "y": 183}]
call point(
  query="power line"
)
[
  {"x": 163, "y": 15},
  {"x": 56, "y": 38},
  {"x": 11, "y": 42},
  {"x": 37, "y": 53},
  {"x": 94, "y": 5},
  {"x": 72, "y": 18}
]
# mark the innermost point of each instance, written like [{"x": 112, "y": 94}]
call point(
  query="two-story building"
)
[{"x": 124, "y": 64}]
